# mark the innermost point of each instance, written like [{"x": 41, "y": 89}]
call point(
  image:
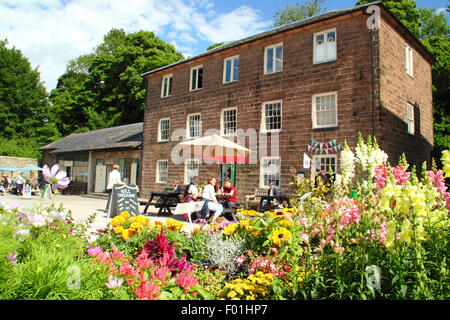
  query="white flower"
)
[{"x": 347, "y": 165}]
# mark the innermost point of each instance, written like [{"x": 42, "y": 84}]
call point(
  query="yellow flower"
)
[
  {"x": 173, "y": 224},
  {"x": 280, "y": 235},
  {"x": 406, "y": 233},
  {"x": 126, "y": 234},
  {"x": 125, "y": 214},
  {"x": 230, "y": 229},
  {"x": 118, "y": 229},
  {"x": 285, "y": 223},
  {"x": 446, "y": 163},
  {"x": 117, "y": 221},
  {"x": 244, "y": 223},
  {"x": 136, "y": 226},
  {"x": 231, "y": 294}
]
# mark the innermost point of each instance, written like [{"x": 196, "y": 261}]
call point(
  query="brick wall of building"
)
[
  {"x": 398, "y": 89},
  {"x": 349, "y": 76}
]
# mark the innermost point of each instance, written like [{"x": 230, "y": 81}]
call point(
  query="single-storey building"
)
[{"x": 88, "y": 157}]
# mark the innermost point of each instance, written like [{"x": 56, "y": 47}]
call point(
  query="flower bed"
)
[{"x": 378, "y": 232}]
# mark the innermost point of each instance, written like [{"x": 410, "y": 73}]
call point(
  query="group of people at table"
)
[{"x": 16, "y": 185}]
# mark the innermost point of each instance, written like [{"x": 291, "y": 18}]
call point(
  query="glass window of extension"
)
[
  {"x": 196, "y": 78},
  {"x": 191, "y": 169},
  {"x": 164, "y": 130},
  {"x": 270, "y": 171},
  {"x": 162, "y": 171},
  {"x": 324, "y": 111},
  {"x": 273, "y": 59},
  {"x": 194, "y": 126},
  {"x": 410, "y": 118},
  {"x": 271, "y": 120},
  {"x": 324, "y": 46},
  {"x": 166, "y": 86},
  {"x": 229, "y": 121},
  {"x": 231, "y": 69}
]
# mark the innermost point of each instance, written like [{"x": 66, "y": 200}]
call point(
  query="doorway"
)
[{"x": 228, "y": 170}]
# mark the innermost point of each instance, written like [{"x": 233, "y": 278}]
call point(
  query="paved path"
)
[{"x": 82, "y": 208}]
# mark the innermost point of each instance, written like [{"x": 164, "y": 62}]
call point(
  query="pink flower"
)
[
  {"x": 147, "y": 290},
  {"x": 160, "y": 273},
  {"x": 186, "y": 281},
  {"x": 400, "y": 175},
  {"x": 304, "y": 237},
  {"x": 114, "y": 283},
  {"x": 94, "y": 252},
  {"x": 58, "y": 180}
]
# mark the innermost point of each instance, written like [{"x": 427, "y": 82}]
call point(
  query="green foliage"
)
[
  {"x": 105, "y": 88},
  {"x": 49, "y": 260},
  {"x": 215, "y": 45},
  {"x": 299, "y": 11},
  {"x": 19, "y": 147},
  {"x": 24, "y": 107}
]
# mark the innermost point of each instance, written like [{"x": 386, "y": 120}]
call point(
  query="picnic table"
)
[
  {"x": 165, "y": 202},
  {"x": 229, "y": 209},
  {"x": 267, "y": 202}
]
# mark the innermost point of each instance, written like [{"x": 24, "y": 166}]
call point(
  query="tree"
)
[
  {"x": 24, "y": 107},
  {"x": 299, "y": 11},
  {"x": 105, "y": 88}
]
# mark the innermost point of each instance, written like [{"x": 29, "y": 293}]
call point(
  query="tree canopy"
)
[
  {"x": 105, "y": 88},
  {"x": 25, "y": 112},
  {"x": 299, "y": 11}
]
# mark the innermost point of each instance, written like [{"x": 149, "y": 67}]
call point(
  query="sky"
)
[{"x": 52, "y": 32}]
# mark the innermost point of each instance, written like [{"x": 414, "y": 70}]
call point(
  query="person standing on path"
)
[
  {"x": 19, "y": 183},
  {"x": 113, "y": 178}
]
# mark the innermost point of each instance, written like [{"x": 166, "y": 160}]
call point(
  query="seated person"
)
[
  {"x": 2, "y": 190},
  {"x": 231, "y": 191},
  {"x": 177, "y": 188},
  {"x": 273, "y": 191},
  {"x": 191, "y": 192},
  {"x": 209, "y": 195}
]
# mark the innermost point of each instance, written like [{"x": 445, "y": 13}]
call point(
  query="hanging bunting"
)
[{"x": 323, "y": 147}]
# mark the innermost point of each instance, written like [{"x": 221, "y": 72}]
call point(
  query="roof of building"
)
[
  {"x": 297, "y": 24},
  {"x": 126, "y": 136}
]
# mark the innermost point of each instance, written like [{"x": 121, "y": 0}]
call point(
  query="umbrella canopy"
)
[
  {"x": 215, "y": 147},
  {"x": 31, "y": 167},
  {"x": 12, "y": 169},
  {"x": 226, "y": 159}
]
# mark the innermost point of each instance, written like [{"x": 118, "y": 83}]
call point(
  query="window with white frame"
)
[
  {"x": 410, "y": 118},
  {"x": 229, "y": 121},
  {"x": 231, "y": 69},
  {"x": 324, "y": 163},
  {"x": 164, "y": 130},
  {"x": 191, "y": 169},
  {"x": 324, "y": 110},
  {"x": 166, "y": 86},
  {"x": 409, "y": 60},
  {"x": 324, "y": 46},
  {"x": 273, "y": 59},
  {"x": 194, "y": 126},
  {"x": 162, "y": 171},
  {"x": 271, "y": 117},
  {"x": 196, "y": 78},
  {"x": 270, "y": 171}
]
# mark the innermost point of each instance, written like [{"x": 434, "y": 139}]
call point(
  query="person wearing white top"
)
[
  {"x": 209, "y": 194},
  {"x": 113, "y": 178}
]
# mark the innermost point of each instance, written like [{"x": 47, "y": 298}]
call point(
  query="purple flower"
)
[
  {"x": 38, "y": 220},
  {"x": 93, "y": 252},
  {"x": 114, "y": 282},
  {"x": 13, "y": 258},
  {"x": 23, "y": 232},
  {"x": 58, "y": 180},
  {"x": 56, "y": 214}
]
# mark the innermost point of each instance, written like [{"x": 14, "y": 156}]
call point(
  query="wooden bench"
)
[{"x": 252, "y": 201}]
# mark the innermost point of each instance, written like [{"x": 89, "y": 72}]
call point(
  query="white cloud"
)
[{"x": 51, "y": 32}]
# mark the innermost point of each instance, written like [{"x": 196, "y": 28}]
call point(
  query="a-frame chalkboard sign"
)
[{"x": 123, "y": 198}]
